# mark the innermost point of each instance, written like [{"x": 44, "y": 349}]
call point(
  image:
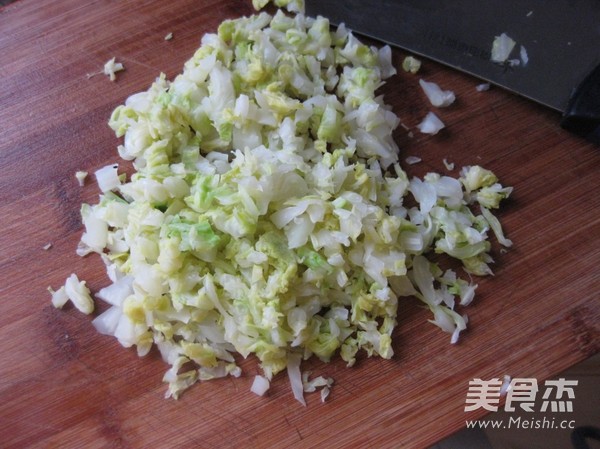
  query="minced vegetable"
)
[{"x": 266, "y": 215}]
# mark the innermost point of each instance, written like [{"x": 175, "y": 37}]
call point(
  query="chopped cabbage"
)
[
  {"x": 411, "y": 64},
  {"x": 75, "y": 291},
  {"x": 311, "y": 386},
  {"x": 437, "y": 97},
  {"x": 483, "y": 87},
  {"x": 266, "y": 215},
  {"x": 431, "y": 124},
  {"x": 260, "y": 385},
  {"x": 523, "y": 55},
  {"x": 448, "y": 165},
  {"x": 80, "y": 175},
  {"x": 411, "y": 160},
  {"x": 502, "y": 46},
  {"x": 111, "y": 68}
]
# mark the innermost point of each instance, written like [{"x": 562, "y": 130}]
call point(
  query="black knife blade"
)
[{"x": 560, "y": 38}]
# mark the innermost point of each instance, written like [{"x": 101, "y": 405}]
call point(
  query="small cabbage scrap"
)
[
  {"x": 266, "y": 215},
  {"x": 80, "y": 175},
  {"x": 310, "y": 386},
  {"x": 111, "y": 68},
  {"x": 483, "y": 87},
  {"x": 411, "y": 64},
  {"x": 502, "y": 46},
  {"x": 75, "y": 291},
  {"x": 431, "y": 124},
  {"x": 437, "y": 97},
  {"x": 524, "y": 55},
  {"x": 260, "y": 385}
]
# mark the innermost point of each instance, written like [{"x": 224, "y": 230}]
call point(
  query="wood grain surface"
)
[{"x": 63, "y": 385}]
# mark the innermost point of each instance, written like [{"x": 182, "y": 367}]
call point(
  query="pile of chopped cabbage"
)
[{"x": 267, "y": 213}]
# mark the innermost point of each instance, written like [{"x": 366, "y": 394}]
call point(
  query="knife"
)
[{"x": 560, "y": 67}]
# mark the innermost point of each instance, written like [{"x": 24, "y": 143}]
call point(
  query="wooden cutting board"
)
[{"x": 63, "y": 385}]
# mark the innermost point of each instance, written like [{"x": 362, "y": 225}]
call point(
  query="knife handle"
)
[{"x": 582, "y": 115}]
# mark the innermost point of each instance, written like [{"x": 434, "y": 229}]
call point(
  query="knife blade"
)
[{"x": 560, "y": 38}]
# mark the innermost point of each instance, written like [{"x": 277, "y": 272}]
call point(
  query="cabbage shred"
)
[{"x": 266, "y": 214}]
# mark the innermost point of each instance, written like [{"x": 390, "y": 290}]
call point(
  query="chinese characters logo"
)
[{"x": 557, "y": 395}]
